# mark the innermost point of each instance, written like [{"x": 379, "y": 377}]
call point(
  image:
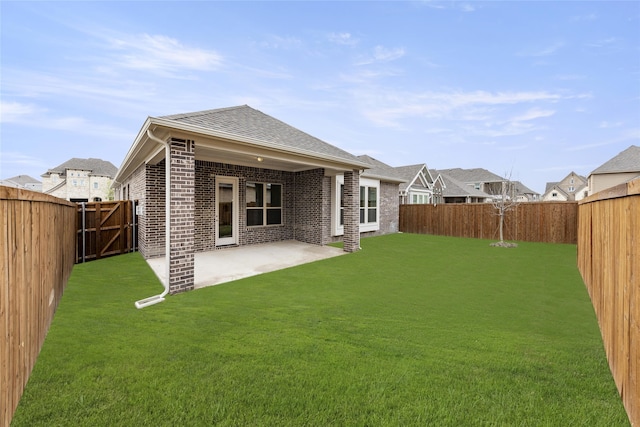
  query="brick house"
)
[{"x": 240, "y": 177}]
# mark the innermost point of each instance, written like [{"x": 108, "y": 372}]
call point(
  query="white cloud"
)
[
  {"x": 162, "y": 54},
  {"x": 343, "y": 39},
  {"x": 607, "y": 125},
  {"x": 624, "y": 136},
  {"x": 603, "y": 42},
  {"x": 533, "y": 114},
  {"x": 584, "y": 18},
  {"x": 280, "y": 42},
  {"x": 382, "y": 54},
  {"x": 24, "y": 160},
  {"x": 13, "y": 112},
  {"x": 389, "y": 108},
  {"x": 570, "y": 77},
  {"x": 545, "y": 51},
  {"x": 467, "y": 7}
]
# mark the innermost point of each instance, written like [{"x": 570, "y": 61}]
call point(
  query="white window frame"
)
[
  {"x": 337, "y": 228},
  {"x": 266, "y": 208}
]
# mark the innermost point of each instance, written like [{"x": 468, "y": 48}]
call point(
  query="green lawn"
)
[{"x": 412, "y": 330}]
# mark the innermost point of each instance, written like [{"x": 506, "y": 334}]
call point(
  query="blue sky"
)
[{"x": 531, "y": 89}]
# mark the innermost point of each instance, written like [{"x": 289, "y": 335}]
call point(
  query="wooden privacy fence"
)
[
  {"x": 609, "y": 261},
  {"x": 550, "y": 222},
  {"x": 37, "y": 234},
  {"x": 105, "y": 229}
]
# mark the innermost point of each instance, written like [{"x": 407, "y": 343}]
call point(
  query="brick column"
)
[
  {"x": 351, "y": 237},
  {"x": 182, "y": 209}
]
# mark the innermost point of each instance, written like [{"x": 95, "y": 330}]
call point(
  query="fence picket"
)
[
  {"x": 608, "y": 254},
  {"x": 36, "y": 245},
  {"x": 551, "y": 222}
]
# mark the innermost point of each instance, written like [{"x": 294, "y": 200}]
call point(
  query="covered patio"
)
[{"x": 226, "y": 265}]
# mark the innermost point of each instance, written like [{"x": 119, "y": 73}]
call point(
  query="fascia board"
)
[{"x": 384, "y": 178}]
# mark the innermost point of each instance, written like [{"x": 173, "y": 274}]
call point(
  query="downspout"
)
[{"x": 159, "y": 298}]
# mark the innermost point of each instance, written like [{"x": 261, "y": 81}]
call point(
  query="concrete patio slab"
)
[{"x": 225, "y": 265}]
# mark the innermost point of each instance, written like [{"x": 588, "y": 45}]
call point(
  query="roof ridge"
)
[{"x": 204, "y": 112}]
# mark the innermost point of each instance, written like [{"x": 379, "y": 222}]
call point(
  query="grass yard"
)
[{"x": 412, "y": 330}]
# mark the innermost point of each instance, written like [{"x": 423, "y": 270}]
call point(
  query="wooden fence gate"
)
[{"x": 106, "y": 229}]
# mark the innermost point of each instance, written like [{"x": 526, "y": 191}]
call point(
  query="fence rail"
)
[
  {"x": 550, "y": 222},
  {"x": 609, "y": 262},
  {"x": 37, "y": 234},
  {"x": 105, "y": 229}
]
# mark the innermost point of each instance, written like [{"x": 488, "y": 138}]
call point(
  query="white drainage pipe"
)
[{"x": 159, "y": 298}]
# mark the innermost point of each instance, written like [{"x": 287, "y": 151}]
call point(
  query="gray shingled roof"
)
[
  {"x": 96, "y": 167},
  {"x": 456, "y": 188},
  {"x": 550, "y": 185},
  {"x": 523, "y": 189},
  {"x": 379, "y": 169},
  {"x": 626, "y": 161},
  {"x": 23, "y": 180},
  {"x": 244, "y": 121},
  {"x": 471, "y": 175}
]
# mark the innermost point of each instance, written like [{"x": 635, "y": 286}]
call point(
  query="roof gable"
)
[{"x": 412, "y": 173}]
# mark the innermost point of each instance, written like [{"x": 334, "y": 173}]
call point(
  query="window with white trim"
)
[
  {"x": 264, "y": 204},
  {"x": 369, "y": 205}
]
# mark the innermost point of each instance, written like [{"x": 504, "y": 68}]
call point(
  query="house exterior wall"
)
[
  {"x": 80, "y": 185},
  {"x": 152, "y": 222},
  {"x": 554, "y": 196},
  {"x": 205, "y": 204},
  {"x": 99, "y": 188},
  {"x": 310, "y": 195},
  {"x": 573, "y": 185},
  {"x": 599, "y": 182},
  {"x": 307, "y": 206}
]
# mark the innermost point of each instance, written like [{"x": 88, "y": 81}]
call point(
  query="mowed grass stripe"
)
[{"x": 412, "y": 330}]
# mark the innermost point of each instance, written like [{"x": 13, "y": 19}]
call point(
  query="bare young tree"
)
[{"x": 503, "y": 202}]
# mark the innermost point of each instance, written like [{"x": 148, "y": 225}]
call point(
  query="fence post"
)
[
  {"x": 84, "y": 229},
  {"x": 134, "y": 236}
]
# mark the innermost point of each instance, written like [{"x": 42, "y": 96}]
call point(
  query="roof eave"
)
[
  {"x": 141, "y": 139},
  {"x": 384, "y": 178}
]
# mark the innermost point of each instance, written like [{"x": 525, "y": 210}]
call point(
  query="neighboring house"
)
[
  {"x": 236, "y": 176},
  {"x": 420, "y": 187},
  {"x": 524, "y": 193},
  {"x": 477, "y": 179},
  {"x": 620, "y": 169},
  {"x": 480, "y": 185},
  {"x": 572, "y": 187},
  {"x": 23, "y": 181},
  {"x": 454, "y": 191},
  {"x": 80, "y": 180}
]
